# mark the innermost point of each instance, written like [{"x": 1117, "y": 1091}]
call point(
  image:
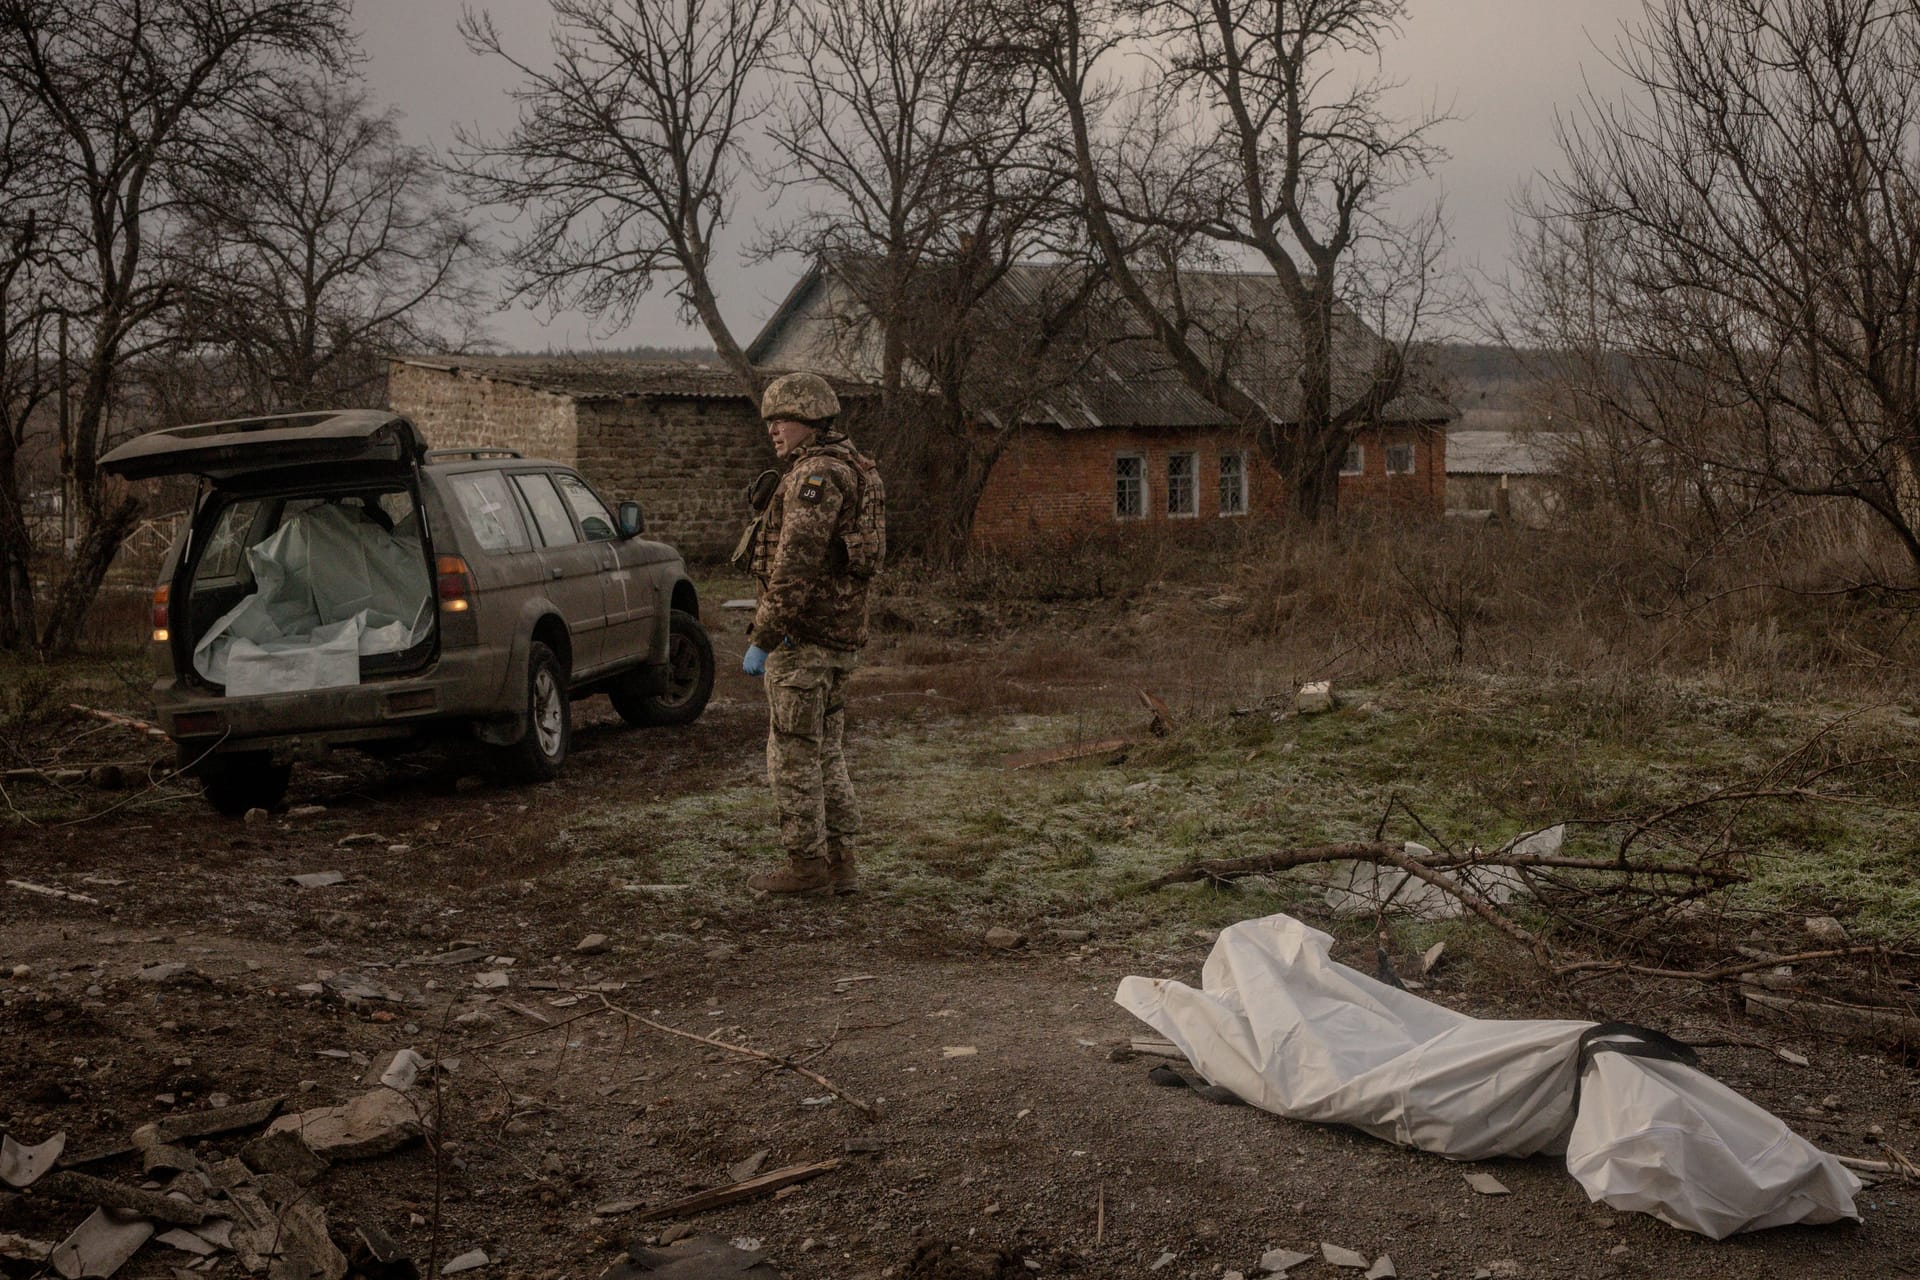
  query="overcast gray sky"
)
[{"x": 1504, "y": 65}]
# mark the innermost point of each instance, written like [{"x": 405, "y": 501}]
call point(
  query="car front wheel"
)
[
  {"x": 541, "y": 750},
  {"x": 689, "y": 679}
]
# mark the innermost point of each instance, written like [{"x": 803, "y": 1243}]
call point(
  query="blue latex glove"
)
[{"x": 755, "y": 663}]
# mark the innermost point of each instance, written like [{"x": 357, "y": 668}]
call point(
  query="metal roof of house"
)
[
  {"x": 1511, "y": 453},
  {"x": 1240, "y": 321}
]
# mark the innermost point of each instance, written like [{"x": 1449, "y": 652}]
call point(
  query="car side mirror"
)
[{"x": 632, "y": 523}]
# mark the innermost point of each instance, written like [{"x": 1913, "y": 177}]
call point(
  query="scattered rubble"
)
[
  {"x": 369, "y": 1125},
  {"x": 1486, "y": 1184},
  {"x": 1004, "y": 938},
  {"x": 1314, "y": 698}
]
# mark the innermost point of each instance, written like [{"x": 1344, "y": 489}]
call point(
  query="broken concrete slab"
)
[
  {"x": 403, "y": 1070},
  {"x": 1383, "y": 1269},
  {"x": 186, "y": 1241},
  {"x": 369, "y": 1125},
  {"x": 102, "y": 1244},
  {"x": 1315, "y": 698},
  {"x": 492, "y": 980},
  {"x": 165, "y": 972},
  {"x": 84, "y": 1189},
  {"x": 471, "y": 1260},
  {"x": 282, "y": 1151},
  {"x": 164, "y": 1157},
  {"x": 1486, "y": 1184},
  {"x": 21, "y": 1166},
  {"x": 591, "y": 945},
  {"x": 1339, "y": 1256},
  {"x": 1280, "y": 1261},
  {"x": 319, "y": 879},
  {"x": 205, "y": 1124}
]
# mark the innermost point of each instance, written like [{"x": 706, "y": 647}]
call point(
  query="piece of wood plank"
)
[
  {"x": 719, "y": 1197},
  {"x": 1060, "y": 755}
]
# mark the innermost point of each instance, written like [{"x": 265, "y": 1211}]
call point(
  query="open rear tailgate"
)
[{"x": 220, "y": 450}]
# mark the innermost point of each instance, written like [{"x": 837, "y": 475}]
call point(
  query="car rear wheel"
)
[
  {"x": 537, "y": 756},
  {"x": 244, "y": 780},
  {"x": 689, "y": 679}
]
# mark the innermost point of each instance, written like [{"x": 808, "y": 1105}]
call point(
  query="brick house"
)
[
  {"x": 1124, "y": 442},
  {"x": 680, "y": 438}
]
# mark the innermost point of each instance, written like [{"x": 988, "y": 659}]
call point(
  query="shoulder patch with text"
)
[{"x": 811, "y": 489}]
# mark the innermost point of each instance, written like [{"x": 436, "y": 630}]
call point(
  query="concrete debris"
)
[
  {"x": 184, "y": 1240},
  {"x": 369, "y": 1125},
  {"x": 1164, "y": 1261},
  {"x": 471, "y": 1260},
  {"x": 281, "y": 1151},
  {"x": 403, "y": 1070},
  {"x": 23, "y": 1248},
  {"x": 102, "y": 1244},
  {"x": 165, "y": 972},
  {"x": 1826, "y": 930},
  {"x": 958, "y": 1051},
  {"x": 48, "y": 891},
  {"x": 354, "y": 987},
  {"x": 1004, "y": 938},
  {"x": 591, "y": 945},
  {"x": 21, "y": 1166},
  {"x": 318, "y": 879},
  {"x": 306, "y": 811},
  {"x": 1339, "y": 1257},
  {"x": 360, "y": 837},
  {"x": 202, "y": 1124},
  {"x": 1788, "y": 1055},
  {"x": 747, "y": 1168},
  {"x": 1280, "y": 1261},
  {"x": 1315, "y": 698},
  {"x": 459, "y": 955},
  {"x": 164, "y": 1157},
  {"x": 82, "y": 1188},
  {"x": 400, "y": 850},
  {"x": 492, "y": 980},
  {"x": 1486, "y": 1184},
  {"x": 1383, "y": 1269}
]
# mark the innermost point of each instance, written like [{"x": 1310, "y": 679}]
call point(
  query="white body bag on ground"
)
[
  {"x": 331, "y": 585},
  {"x": 1291, "y": 1031}
]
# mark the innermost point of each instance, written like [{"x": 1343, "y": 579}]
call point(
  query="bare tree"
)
[
  {"x": 1252, "y": 144},
  {"x": 322, "y": 243},
  {"x": 27, "y": 322},
  {"x": 627, "y": 151},
  {"x": 922, "y": 159},
  {"x": 1743, "y": 233},
  {"x": 130, "y": 94}
]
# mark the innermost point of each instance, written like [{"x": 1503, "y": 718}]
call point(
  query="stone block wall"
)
[
  {"x": 455, "y": 410},
  {"x": 687, "y": 461}
]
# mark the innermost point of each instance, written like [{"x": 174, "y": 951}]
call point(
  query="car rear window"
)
[
  {"x": 491, "y": 512},
  {"x": 592, "y": 513},
  {"x": 556, "y": 527}
]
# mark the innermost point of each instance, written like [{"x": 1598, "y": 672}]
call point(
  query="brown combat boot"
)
[
  {"x": 799, "y": 876},
  {"x": 841, "y": 875}
]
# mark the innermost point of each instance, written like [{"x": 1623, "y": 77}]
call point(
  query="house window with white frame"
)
[
  {"x": 1233, "y": 484},
  {"x": 1399, "y": 459},
  {"x": 1183, "y": 490},
  {"x": 1354, "y": 461},
  {"x": 1129, "y": 486}
]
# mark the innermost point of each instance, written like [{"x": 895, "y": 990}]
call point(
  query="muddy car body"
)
[{"x": 337, "y": 584}]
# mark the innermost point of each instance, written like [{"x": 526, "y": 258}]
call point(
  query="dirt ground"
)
[{"x": 1005, "y": 1125}]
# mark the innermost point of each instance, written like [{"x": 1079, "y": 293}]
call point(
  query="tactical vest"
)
[{"x": 860, "y": 543}]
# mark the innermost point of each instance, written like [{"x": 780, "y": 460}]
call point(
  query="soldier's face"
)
[{"x": 788, "y": 435}]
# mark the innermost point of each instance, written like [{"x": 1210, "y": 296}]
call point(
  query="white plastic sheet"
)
[
  {"x": 1285, "y": 1027},
  {"x": 331, "y": 585}
]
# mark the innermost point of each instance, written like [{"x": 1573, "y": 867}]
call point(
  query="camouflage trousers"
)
[{"x": 806, "y": 759}]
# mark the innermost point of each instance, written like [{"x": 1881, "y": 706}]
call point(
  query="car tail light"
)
[
  {"x": 195, "y": 722},
  {"x": 456, "y": 584},
  {"x": 161, "y": 613}
]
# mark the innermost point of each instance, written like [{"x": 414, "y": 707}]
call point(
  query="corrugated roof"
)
[
  {"x": 1510, "y": 453},
  {"x": 1240, "y": 321}
]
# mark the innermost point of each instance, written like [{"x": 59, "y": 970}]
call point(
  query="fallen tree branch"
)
[
  {"x": 1379, "y": 852},
  {"x": 863, "y": 1108},
  {"x": 1473, "y": 902},
  {"x": 1715, "y": 974},
  {"x": 719, "y": 1197}
]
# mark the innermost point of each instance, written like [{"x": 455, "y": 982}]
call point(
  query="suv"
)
[{"x": 339, "y": 584}]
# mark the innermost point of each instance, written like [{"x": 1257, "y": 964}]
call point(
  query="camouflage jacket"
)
[{"x": 823, "y": 540}]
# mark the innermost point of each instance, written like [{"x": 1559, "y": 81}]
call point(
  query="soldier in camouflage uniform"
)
[{"x": 820, "y": 540}]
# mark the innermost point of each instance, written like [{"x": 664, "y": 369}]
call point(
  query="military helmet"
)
[{"x": 803, "y": 396}]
